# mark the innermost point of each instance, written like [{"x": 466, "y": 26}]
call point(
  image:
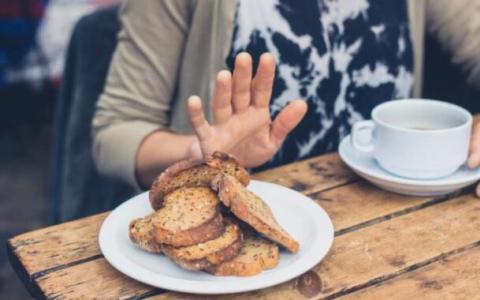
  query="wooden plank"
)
[
  {"x": 369, "y": 255},
  {"x": 93, "y": 279},
  {"x": 455, "y": 277},
  {"x": 57, "y": 245},
  {"x": 361, "y": 202},
  {"x": 311, "y": 175}
]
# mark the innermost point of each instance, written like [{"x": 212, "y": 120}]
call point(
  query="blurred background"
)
[
  {"x": 41, "y": 44},
  {"x": 34, "y": 38}
]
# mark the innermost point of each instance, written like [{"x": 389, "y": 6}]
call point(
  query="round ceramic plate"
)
[
  {"x": 365, "y": 165},
  {"x": 305, "y": 220}
]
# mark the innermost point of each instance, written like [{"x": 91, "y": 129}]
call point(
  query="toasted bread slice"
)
[
  {"x": 141, "y": 234},
  {"x": 204, "y": 255},
  {"x": 190, "y": 173},
  {"x": 256, "y": 255},
  {"x": 249, "y": 208},
  {"x": 189, "y": 216}
]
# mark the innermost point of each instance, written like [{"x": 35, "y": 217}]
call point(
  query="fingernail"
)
[
  {"x": 223, "y": 74},
  {"x": 244, "y": 54},
  {"x": 194, "y": 101},
  {"x": 267, "y": 55},
  {"x": 301, "y": 101}
]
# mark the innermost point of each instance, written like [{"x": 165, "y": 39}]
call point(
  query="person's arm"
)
[
  {"x": 241, "y": 124},
  {"x": 159, "y": 150},
  {"x": 134, "y": 107},
  {"x": 130, "y": 136}
]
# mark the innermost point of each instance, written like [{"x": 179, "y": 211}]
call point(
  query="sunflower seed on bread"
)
[
  {"x": 141, "y": 234},
  {"x": 256, "y": 255},
  {"x": 209, "y": 253},
  {"x": 251, "y": 209},
  {"x": 190, "y": 215}
]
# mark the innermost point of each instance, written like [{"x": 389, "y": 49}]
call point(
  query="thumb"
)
[{"x": 287, "y": 120}]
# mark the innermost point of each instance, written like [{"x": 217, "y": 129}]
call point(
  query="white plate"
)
[
  {"x": 365, "y": 165},
  {"x": 299, "y": 215}
]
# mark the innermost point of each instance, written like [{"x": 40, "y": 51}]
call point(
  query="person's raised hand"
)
[{"x": 241, "y": 123}]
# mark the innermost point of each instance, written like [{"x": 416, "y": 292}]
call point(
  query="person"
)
[{"x": 303, "y": 73}]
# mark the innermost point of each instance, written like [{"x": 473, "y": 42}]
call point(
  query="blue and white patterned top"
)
[{"x": 342, "y": 56}]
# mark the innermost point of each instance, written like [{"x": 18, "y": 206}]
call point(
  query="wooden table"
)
[{"x": 386, "y": 246}]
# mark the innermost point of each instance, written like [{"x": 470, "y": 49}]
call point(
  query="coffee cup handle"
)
[{"x": 367, "y": 125}]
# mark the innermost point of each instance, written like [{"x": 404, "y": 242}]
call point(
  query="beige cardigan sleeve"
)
[{"x": 140, "y": 83}]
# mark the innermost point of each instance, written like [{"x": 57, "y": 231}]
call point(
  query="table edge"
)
[{"x": 28, "y": 281}]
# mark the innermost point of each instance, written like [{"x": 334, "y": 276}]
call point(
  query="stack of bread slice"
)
[{"x": 205, "y": 219}]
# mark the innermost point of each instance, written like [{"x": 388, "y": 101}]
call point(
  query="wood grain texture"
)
[
  {"x": 58, "y": 245},
  {"x": 93, "y": 279},
  {"x": 454, "y": 277},
  {"x": 311, "y": 175},
  {"x": 360, "y": 202},
  {"x": 372, "y": 254}
]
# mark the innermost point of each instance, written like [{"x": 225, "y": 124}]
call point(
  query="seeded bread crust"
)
[
  {"x": 249, "y": 208},
  {"x": 191, "y": 173},
  {"x": 189, "y": 216},
  {"x": 255, "y": 256},
  {"x": 207, "y": 254},
  {"x": 141, "y": 234}
]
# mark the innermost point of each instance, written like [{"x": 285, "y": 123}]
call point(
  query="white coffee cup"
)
[{"x": 416, "y": 138}]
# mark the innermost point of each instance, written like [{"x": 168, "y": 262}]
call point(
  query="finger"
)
[
  {"x": 262, "y": 84},
  {"x": 474, "y": 155},
  {"x": 477, "y": 190},
  {"x": 475, "y": 139},
  {"x": 473, "y": 160},
  {"x": 197, "y": 117},
  {"x": 242, "y": 79},
  {"x": 286, "y": 120},
  {"x": 222, "y": 95}
]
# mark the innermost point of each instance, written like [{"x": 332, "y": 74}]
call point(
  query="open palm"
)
[{"x": 241, "y": 124}]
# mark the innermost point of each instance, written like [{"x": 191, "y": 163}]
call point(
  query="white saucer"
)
[{"x": 365, "y": 165}]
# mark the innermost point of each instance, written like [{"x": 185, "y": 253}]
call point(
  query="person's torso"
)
[{"x": 341, "y": 56}]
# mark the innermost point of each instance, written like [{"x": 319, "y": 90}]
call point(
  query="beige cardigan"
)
[{"x": 168, "y": 50}]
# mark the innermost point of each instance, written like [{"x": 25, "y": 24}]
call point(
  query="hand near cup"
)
[
  {"x": 241, "y": 115},
  {"x": 474, "y": 156}
]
